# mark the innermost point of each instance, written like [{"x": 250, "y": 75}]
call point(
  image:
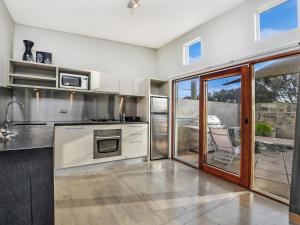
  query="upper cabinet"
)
[
  {"x": 126, "y": 85},
  {"x": 132, "y": 86},
  {"x": 105, "y": 82},
  {"x": 139, "y": 85}
]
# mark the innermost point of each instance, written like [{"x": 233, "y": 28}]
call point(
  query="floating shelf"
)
[{"x": 32, "y": 77}]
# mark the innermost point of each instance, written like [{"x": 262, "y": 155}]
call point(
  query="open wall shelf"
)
[{"x": 38, "y": 75}]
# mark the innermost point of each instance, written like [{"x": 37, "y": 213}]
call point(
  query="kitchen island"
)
[{"x": 26, "y": 177}]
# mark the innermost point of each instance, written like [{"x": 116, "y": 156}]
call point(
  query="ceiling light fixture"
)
[{"x": 133, "y": 5}]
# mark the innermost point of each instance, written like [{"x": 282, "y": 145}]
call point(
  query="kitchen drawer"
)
[{"x": 135, "y": 140}]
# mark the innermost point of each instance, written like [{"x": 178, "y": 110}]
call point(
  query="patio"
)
[{"x": 272, "y": 170}]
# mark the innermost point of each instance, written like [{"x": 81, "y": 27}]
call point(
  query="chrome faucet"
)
[{"x": 6, "y": 122}]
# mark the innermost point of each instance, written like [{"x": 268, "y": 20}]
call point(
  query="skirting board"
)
[{"x": 294, "y": 218}]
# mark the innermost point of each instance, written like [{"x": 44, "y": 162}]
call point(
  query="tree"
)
[{"x": 283, "y": 89}]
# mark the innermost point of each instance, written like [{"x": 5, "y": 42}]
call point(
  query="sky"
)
[
  {"x": 184, "y": 87},
  {"x": 279, "y": 19}
]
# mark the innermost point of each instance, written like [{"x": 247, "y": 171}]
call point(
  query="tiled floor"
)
[
  {"x": 162, "y": 192},
  {"x": 272, "y": 170}
]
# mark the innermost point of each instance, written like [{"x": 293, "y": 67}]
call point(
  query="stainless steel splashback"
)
[
  {"x": 47, "y": 105},
  {"x": 5, "y": 97}
]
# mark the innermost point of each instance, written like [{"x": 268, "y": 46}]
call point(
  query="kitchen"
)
[{"x": 100, "y": 124}]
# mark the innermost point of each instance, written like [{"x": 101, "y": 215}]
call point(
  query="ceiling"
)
[{"x": 154, "y": 24}]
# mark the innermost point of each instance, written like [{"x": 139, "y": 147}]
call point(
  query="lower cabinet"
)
[
  {"x": 27, "y": 187},
  {"x": 135, "y": 140},
  {"x": 73, "y": 146}
]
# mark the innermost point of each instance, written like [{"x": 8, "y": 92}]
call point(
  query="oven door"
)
[{"x": 107, "y": 147}]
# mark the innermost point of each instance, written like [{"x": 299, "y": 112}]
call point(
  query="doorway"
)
[
  {"x": 276, "y": 85},
  {"x": 225, "y": 125}
]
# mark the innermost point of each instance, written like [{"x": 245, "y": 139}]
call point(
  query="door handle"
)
[{"x": 246, "y": 121}]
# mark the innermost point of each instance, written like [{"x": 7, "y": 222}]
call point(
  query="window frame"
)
[
  {"x": 266, "y": 8},
  {"x": 186, "y": 51}
]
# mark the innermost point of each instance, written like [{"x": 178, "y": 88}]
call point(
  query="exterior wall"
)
[
  {"x": 77, "y": 51},
  {"x": 229, "y": 36},
  {"x": 187, "y": 114},
  {"x": 6, "y": 42},
  {"x": 281, "y": 116},
  {"x": 228, "y": 113}
]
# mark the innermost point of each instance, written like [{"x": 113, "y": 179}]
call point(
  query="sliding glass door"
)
[
  {"x": 223, "y": 118},
  {"x": 276, "y": 92},
  {"x": 186, "y": 121},
  {"x": 225, "y": 125}
]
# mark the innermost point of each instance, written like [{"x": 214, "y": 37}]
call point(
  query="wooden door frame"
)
[{"x": 244, "y": 179}]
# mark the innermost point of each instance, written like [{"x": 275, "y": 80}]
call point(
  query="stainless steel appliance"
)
[
  {"x": 104, "y": 121},
  {"x": 74, "y": 81},
  {"x": 107, "y": 143},
  {"x": 159, "y": 128}
]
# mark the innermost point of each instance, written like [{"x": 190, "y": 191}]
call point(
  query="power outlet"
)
[{"x": 63, "y": 111}]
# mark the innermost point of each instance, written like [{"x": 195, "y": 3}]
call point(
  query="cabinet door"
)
[
  {"x": 109, "y": 83},
  {"x": 15, "y": 191},
  {"x": 73, "y": 146},
  {"x": 139, "y": 86},
  {"x": 105, "y": 82},
  {"x": 42, "y": 185},
  {"x": 125, "y": 85},
  {"x": 135, "y": 140}
]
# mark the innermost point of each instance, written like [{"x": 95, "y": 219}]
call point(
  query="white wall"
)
[
  {"x": 6, "y": 41},
  {"x": 227, "y": 37},
  {"x": 77, "y": 51}
]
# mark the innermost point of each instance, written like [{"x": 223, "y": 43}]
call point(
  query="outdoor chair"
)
[{"x": 224, "y": 151}]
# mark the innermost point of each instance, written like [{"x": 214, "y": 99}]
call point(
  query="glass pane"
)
[
  {"x": 223, "y": 122},
  {"x": 187, "y": 121},
  {"x": 276, "y": 92},
  {"x": 278, "y": 19},
  {"x": 194, "y": 51}
]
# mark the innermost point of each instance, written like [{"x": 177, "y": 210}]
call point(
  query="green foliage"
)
[{"x": 263, "y": 129}]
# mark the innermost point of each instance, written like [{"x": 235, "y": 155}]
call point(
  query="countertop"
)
[
  {"x": 42, "y": 136},
  {"x": 78, "y": 123},
  {"x": 30, "y": 137}
]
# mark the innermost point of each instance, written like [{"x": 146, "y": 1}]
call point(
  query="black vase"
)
[{"x": 27, "y": 56}]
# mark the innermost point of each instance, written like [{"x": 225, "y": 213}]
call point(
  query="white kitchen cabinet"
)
[
  {"x": 135, "y": 140},
  {"x": 126, "y": 85},
  {"x": 73, "y": 146},
  {"x": 139, "y": 86},
  {"x": 105, "y": 82}
]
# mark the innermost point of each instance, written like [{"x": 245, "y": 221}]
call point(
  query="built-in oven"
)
[{"x": 107, "y": 143}]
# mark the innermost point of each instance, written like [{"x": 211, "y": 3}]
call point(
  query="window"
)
[
  {"x": 277, "y": 19},
  {"x": 192, "y": 51}
]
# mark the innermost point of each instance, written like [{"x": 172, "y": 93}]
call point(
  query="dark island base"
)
[{"x": 27, "y": 187}]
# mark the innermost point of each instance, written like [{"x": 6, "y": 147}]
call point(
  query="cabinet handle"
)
[
  {"x": 75, "y": 128},
  {"x": 133, "y": 142},
  {"x": 135, "y": 126}
]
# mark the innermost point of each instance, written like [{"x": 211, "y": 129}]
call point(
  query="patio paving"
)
[{"x": 272, "y": 170}]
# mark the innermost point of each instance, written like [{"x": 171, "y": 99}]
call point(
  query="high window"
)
[
  {"x": 277, "y": 18},
  {"x": 192, "y": 51}
]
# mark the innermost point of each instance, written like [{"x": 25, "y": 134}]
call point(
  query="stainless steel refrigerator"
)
[{"x": 159, "y": 128}]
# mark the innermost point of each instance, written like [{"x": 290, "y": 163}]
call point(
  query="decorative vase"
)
[{"x": 27, "y": 56}]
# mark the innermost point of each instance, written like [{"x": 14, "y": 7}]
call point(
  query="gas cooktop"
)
[{"x": 104, "y": 121}]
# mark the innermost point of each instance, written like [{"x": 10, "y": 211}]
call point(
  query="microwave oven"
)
[{"x": 74, "y": 81}]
